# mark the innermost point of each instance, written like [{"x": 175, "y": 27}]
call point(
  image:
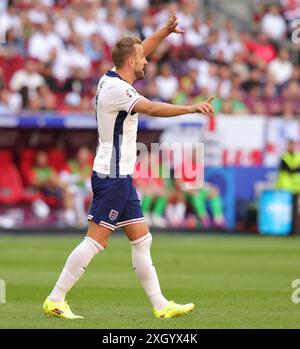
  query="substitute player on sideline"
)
[{"x": 115, "y": 202}]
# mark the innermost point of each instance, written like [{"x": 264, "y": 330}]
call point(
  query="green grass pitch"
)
[{"x": 234, "y": 281}]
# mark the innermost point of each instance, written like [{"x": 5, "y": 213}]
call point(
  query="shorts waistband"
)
[{"x": 105, "y": 175}]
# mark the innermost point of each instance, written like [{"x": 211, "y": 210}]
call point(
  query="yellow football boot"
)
[
  {"x": 59, "y": 309},
  {"x": 173, "y": 310}
]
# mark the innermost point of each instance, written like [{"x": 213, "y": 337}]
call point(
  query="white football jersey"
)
[{"x": 117, "y": 126}]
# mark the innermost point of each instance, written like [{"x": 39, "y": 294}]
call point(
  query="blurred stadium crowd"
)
[
  {"x": 45, "y": 179},
  {"x": 56, "y": 50}
]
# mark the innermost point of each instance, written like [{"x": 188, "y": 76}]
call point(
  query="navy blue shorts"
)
[{"x": 115, "y": 202}]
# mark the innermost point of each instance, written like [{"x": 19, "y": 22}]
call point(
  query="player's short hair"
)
[{"x": 123, "y": 49}]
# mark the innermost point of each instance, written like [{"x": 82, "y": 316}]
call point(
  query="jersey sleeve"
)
[{"x": 126, "y": 96}]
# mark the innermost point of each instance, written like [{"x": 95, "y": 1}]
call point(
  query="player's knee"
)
[
  {"x": 142, "y": 244},
  {"x": 95, "y": 243},
  {"x": 144, "y": 241},
  {"x": 102, "y": 241},
  {"x": 99, "y": 233}
]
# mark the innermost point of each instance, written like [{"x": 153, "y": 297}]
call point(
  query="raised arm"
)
[
  {"x": 144, "y": 106},
  {"x": 154, "y": 40}
]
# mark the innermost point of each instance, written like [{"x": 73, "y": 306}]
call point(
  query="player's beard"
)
[{"x": 139, "y": 74}]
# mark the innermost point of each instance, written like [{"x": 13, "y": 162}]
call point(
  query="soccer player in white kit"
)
[{"x": 115, "y": 201}]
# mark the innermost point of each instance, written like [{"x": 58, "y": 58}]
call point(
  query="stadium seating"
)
[{"x": 12, "y": 190}]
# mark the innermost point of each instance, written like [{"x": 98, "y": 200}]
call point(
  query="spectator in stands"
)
[
  {"x": 78, "y": 58},
  {"x": 111, "y": 28},
  {"x": 151, "y": 92},
  {"x": 6, "y": 102},
  {"x": 188, "y": 89},
  {"x": 87, "y": 105},
  {"x": 47, "y": 98},
  {"x": 227, "y": 107},
  {"x": 167, "y": 83},
  {"x": 291, "y": 9},
  {"x": 63, "y": 21},
  {"x": 49, "y": 79},
  {"x": 130, "y": 26},
  {"x": 86, "y": 24},
  {"x": 76, "y": 82},
  {"x": 140, "y": 5},
  {"x": 291, "y": 91},
  {"x": 224, "y": 83},
  {"x": 254, "y": 80},
  {"x": 70, "y": 59},
  {"x": 253, "y": 97},
  {"x": 273, "y": 24},
  {"x": 72, "y": 102},
  {"x": 26, "y": 81},
  {"x": 197, "y": 34},
  {"x": 208, "y": 77},
  {"x": 281, "y": 68},
  {"x": 33, "y": 105},
  {"x": 237, "y": 104},
  {"x": 240, "y": 67},
  {"x": 37, "y": 14},
  {"x": 45, "y": 179},
  {"x": 94, "y": 47},
  {"x": 45, "y": 44},
  {"x": 10, "y": 20},
  {"x": 259, "y": 108},
  {"x": 209, "y": 48},
  {"x": 271, "y": 99},
  {"x": 15, "y": 44},
  {"x": 133, "y": 8},
  {"x": 146, "y": 25},
  {"x": 262, "y": 48}
]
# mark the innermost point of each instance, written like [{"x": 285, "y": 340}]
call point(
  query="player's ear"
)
[{"x": 131, "y": 61}]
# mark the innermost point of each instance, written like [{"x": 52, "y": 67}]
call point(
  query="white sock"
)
[
  {"x": 75, "y": 266},
  {"x": 145, "y": 271}
]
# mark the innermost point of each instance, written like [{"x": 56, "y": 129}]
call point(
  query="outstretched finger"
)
[{"x": 210, "y": 99}]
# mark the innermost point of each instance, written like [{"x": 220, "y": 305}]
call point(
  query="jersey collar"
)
[{"x": 114, "y": 74}]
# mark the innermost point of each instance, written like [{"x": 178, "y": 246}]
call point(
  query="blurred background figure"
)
[
  {"x": 152, "y": 188},
  {"x": 45, "y": 179},
  {"x": 199, "y": 194},
  {"x": 77, "y": 177},
  {"x": 289, "y": 169}
]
